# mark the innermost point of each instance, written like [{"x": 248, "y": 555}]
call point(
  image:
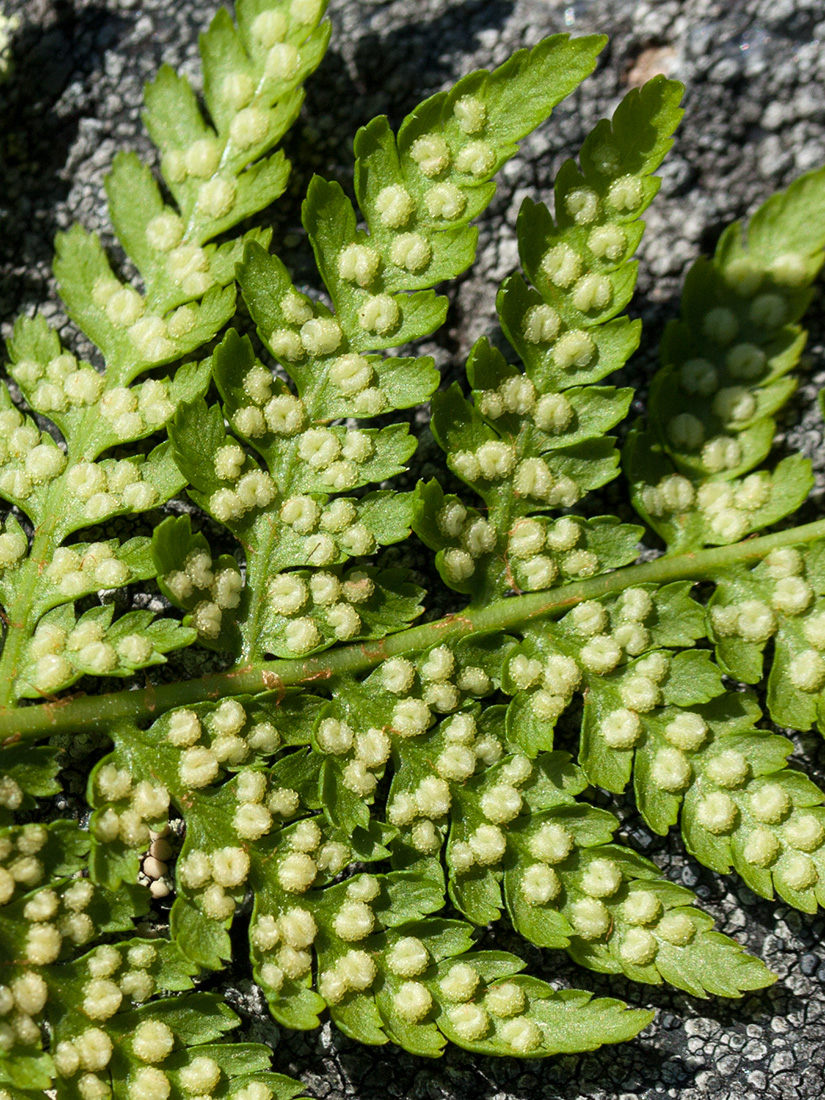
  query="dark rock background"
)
[{"x": 754, "y": 72}]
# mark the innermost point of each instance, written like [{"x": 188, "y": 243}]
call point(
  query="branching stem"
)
[{"x": 103, "y": 711}]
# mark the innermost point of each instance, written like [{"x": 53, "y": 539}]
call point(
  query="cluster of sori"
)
[
  {"x": 135, "y": 411},
  {"x": 436, "y": 683},
  {"x": 352, "y": 376},
  {"x": 726, "y": 507},
  {"x": 420, "y": 808},
  {"x": 327, "y": 531},
  {"x": 413, "y": 695},
  {"x": 103, "y": 488},
  {"x": 575, "y": 273},
  {"x": 542, "y": 552},
  {"x": 602, "y": 639},
  {"x": 670, "y": 767},
  {"x": 517, "y": 396},
  {"x": 28, "y": 457},
  {"x": 495, "y": 460},
  {"x": 62, "y": 650},
  {"x": 406, "y": 960},
  {"x": 231, "y": 737},
  {"x": 773, "y": 824},
  {"x": 21, "y": 1002},
  {"x": 13, "y": 544},
  {"x": 253, "y": 489},
  {"x": 40, "y": 921},
  {"x": 789, "y": 603},
  {"x": 110, "y": 973},
  {"x": 500, "y": 803},
  {"x": 308, "y": 330},
  {"x": 596, "y": 897},
  {"x": 153, "y": 337},
  {"x": 194, "y": 749},
  {"x": 135, "y": 814},
  {"x": 379, "y": 313},
  {"x": 459, "y": 147},
  {"x": 57, "y": 655},
  {"x": 241, "y": 106},
  {"x": 368, "y": 751},
  {"x": 186, "y": 265},
  {"x": 430, "y": 185},
  {"x": 471, "y": 1004},
  {"x": 59, "y": 651},
  {"x": 51, "y": 914},
  {"x": 429, "y": 191},
  {"x": 474, "y": 1004},
  {"x": 157, "y": 1054},
  {"x": 325, "y": 604},
  {"x": 59, "y": 384},
  {"x": 208, "y": 876},
  {"x": 307, "y": 851},
  {"x": 75, "y": 571},
  {"x": 474, "y": 534},
  {"x": 19, "y": 850},
  {"x": 283, "y": 944},
  {"x": 336, "y": 456},
  {"x": 11, "y": 796},
  {"x": 354, "y": 969},
  {"x": 282, "y": 940},
  {"x": 217, "y": 879},
  {"x": 210, "y": 591}
]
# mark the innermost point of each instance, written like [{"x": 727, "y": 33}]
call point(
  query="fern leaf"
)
[
  {"x": 307, "y": 460},
  {"x": 537, "y": 439},
  {"x": 218, "y": 176},
  {"x": 65, "y": 490},
  {"x": 567, "y": 886},
  {"x": 476, "y": 792},
  {"x": 321, "y": 826},
  {"x": 484, "y": 1005},
  {"x": 419, "y": 194},
  {"x": 731, "y": 356}
]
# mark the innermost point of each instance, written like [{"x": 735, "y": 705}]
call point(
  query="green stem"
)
[{"x": 102, "y": 711}]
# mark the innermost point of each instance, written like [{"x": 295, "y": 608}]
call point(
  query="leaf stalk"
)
[{"x": 99, "y": 712}]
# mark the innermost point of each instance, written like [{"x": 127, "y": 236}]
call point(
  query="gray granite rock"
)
[{"x": 754, "y": 71}]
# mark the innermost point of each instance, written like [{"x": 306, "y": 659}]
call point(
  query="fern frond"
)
[
  {"x": 108, "y": 1032},
  {"x": 419, "y": 193},
  {"x": 218, "y": 174},
  {"x": 363, "y": 931},
  {"x": 62, "y": 491},
  {"x": 57, "y": 896},
  {"x": 778, "y": 599},
  {"x": 514, "y": 824},
  {"x": 363, "y": 786},
  {"x": 46, "y": 648},
  {"x": 536, "y": 439},
  {"x": 284, "y": 514},
  {"x": 730, "y": 356}
]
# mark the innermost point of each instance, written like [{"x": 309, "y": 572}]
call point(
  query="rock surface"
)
[{"x": 754, "y": 71}]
